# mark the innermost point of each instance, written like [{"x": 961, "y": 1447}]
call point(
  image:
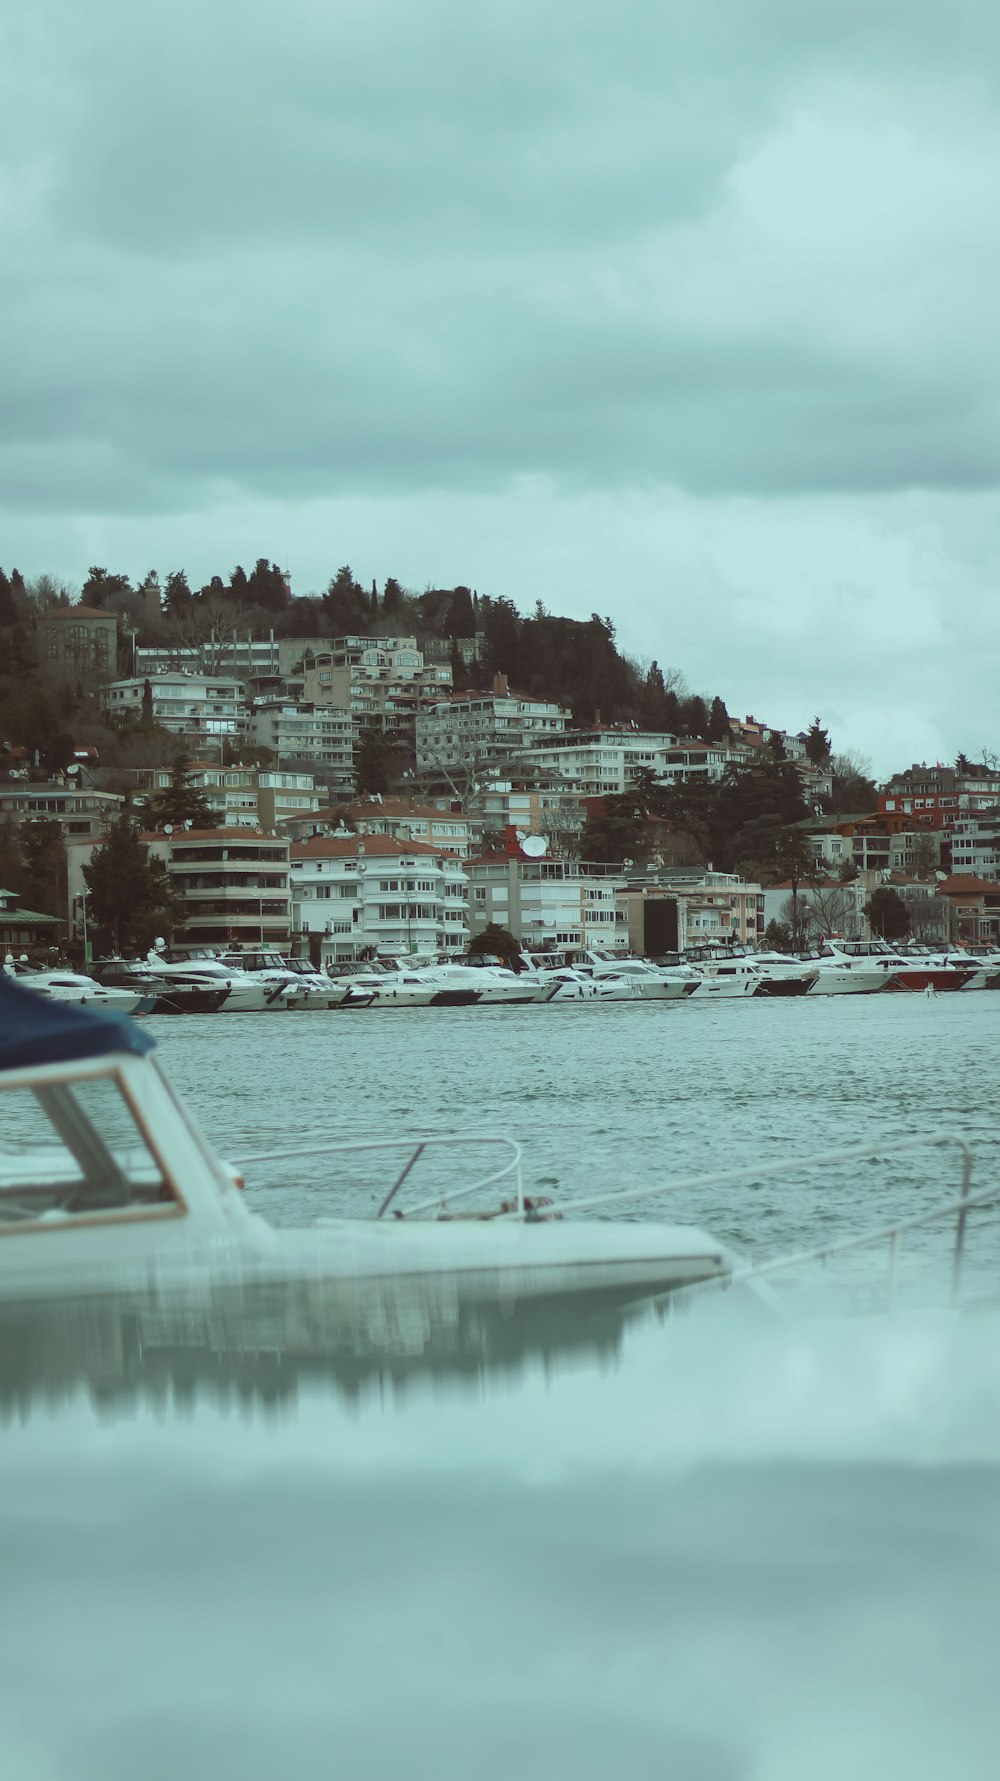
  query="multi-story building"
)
[
  {"x": 22, "y": 928},
  {"x": 557, "y": 815},
  {"x": 319, "y": 734},
  {"x": 80, "y": 811},
  {"x": 447, "y": 831},
  {"x": 244, "y": 658},
  {"x": 547, "y": 901},
  {"x": 234, "y": 882},
  {"x": 472, "y": 730},
  {"x": 600, "y": 762},
  {"x": 975, "y": 844},
  {"x": 666, "y": 909},
  {"x": 196, "y": 706},
  {"x": 78, "y": 642},
  {"x": 382, "y": 681},
  {"x": 241, "y": 797},
  {"x": 357, "y": 893},
  {"x": 937, "y": 796}
]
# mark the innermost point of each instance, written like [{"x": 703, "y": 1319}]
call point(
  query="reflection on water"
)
[{"x": 386, "y": 1531}]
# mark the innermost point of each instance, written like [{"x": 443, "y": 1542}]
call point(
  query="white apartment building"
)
[
  {"x": 305, "y": 732},
  {"x": 248, "y": 658},
  {"x": 241, "y": 797},
  {"x": 474, "y": 728},
  {"x": 191, "y": 705},
  {"x": 560, "y": 901},
  {"x": 703, "y": 905},
  {"x": 975, "y": 844},
  {"x": 80, "y": 811},
  {"x": 601, "y": 762},
  {"x": 362, "y": 892}
]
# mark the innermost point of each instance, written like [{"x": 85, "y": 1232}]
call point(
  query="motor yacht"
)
[
  {"x": 245, "y": 994},
  {"x": 721, "y": 972},
  {"x": 107, "y": 1181},
  {"x": 655, "y": 983},
  {"x": 903, "y": 973},
  {"x": 839, "y": 977},
  {"x": 782, "y": 974},
  {"x": 167, "y": 998},
  {"x": 73, "y": 986}
]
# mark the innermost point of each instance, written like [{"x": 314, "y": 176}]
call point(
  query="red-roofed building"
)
[
  {"x": 353, "y": 894},
  {"x": 235, "y": 884}
]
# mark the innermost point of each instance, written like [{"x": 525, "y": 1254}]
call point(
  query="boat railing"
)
[
  {"x": 958, "y": 1206},
  {"x": 509, "y": 1172}
]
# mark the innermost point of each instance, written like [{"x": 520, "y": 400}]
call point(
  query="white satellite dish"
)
[
  {"x": 168, "y": 828},
  {"x": 534, "y": 846},
  {"x": 522, "y": 836}
]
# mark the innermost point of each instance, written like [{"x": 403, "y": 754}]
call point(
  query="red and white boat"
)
[{"x": 920, "y": 971}]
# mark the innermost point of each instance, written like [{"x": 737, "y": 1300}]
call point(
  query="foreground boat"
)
[{"x": 107, "y": 1183}]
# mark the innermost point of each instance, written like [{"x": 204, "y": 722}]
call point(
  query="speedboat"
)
[{"x": 107, "y": 1182}]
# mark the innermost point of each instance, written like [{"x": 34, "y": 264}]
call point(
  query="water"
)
[
  {"x": 387, "y": 1532},
  {"x": 616, "y": 1095}
]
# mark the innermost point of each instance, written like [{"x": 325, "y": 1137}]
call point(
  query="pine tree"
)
[
  {"x": 130, "y": 896},
  {"x": 8, "y": 610},
  {"x": 718, "y": 722},
  {"x": 180, "y": 802},
  {"x": 817, "y": 744}
]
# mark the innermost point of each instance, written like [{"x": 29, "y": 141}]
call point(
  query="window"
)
[{"x": 74, "y": 1149}]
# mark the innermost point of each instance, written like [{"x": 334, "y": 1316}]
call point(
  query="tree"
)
[
  {"x": 854, "y": 790},
  {"x": 718, "y": 722},
  {"x": 130, "y": 896},
  {"x": 616, "y": 833},
  {"x": 372, "y": 763},
  {"x": 100, "y": 587},
  {"x": 8, "y": 609},
  {"x": 499, "y": 941},
  {"x": 794, "y": 859},
  {"x": 180, "y": 802},
  {"x": 147, "y": 702},
  {"x": 461, "y": 617},
  {"x": 43, "y": 880},
  {"x": 817, "y": 744},
  {"x": 887, "y": 914},
  {"x": 777, "y": 937}
]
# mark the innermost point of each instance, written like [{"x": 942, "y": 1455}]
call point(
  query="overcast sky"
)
[{"x": 684, "y": 312}]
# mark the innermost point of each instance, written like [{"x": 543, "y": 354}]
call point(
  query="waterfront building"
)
[
  {"x": 547, "y": 901},
  {"x": 355, "y": 893},
  {"x": 975, "y": 843},
  {"x": 665, "y": 909},
  {"x": 21, "y": 928},
  {"x": 975, "y": 906},
  {"x": 234, "y": 882}
]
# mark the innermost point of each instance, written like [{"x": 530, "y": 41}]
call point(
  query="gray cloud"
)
[{"x": 278, "y": 259}]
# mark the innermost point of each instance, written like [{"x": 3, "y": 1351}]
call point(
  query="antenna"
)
[{"x": 534, "y": 846}]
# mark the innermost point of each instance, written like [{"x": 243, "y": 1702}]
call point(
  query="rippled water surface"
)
[{"x": 612, "y": 1096}]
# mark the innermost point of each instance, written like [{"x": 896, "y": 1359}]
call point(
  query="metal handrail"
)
[
  {"x": 417, "y": 1147},
  {"x": 891, "y": 1234},
  {"x": 754, "y": 1172}
]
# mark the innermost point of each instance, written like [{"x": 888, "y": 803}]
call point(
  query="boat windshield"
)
[{"x": 70, "y": 1148}]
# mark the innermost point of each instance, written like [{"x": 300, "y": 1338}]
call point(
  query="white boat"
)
[
  {"x": 497, "y": 985},
  {"x": 722, "y": 973},
  {"x": 782, "y": 974},
  {"x": 107, "y": 1182},
  {"x": 841, "y": 977},
  {"x": 917, "y": 972},
  {"x": 201, "y": 966},
  {"x": 655, "y": 983},
  {"x": 73, "y": 986}
]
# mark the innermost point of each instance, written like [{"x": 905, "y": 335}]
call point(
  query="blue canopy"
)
[{"x": 36, "y": 1030}]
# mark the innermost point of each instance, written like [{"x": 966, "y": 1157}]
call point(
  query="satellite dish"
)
[
  {"x": 534, "y": 846},
  {"x": 522, "y": 836},
  {"x": 168, "y": 828}
]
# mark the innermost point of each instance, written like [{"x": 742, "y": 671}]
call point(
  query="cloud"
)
[{"x": 423, "y": 260}]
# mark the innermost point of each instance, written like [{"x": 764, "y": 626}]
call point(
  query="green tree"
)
[
  {"x": 147, "y": 702},
  {"x": 497, "y": 941},
  {"x": 100, "y": 587},
  {"x": 887, "y": 914},
  {"x": 180, "y": 802},
  {"x": 617, "y": 832},
  {"x": 372, "y": 763},
  {"x": 130, "y": 896},
  {"x": 718, "y": 722},
  {"x": 8, "y": 608},
  {"x": 778, "y": 937},
  {"x": 795, "y": 860},
  {"x": 461, "y": 618},
  {"x": 817, "y": 744}
]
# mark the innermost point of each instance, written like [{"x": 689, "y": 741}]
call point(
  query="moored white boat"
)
[{"x": 109, "y": 1183}]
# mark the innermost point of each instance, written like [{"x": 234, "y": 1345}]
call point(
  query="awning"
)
[{"x": 37, "y": 1030}]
